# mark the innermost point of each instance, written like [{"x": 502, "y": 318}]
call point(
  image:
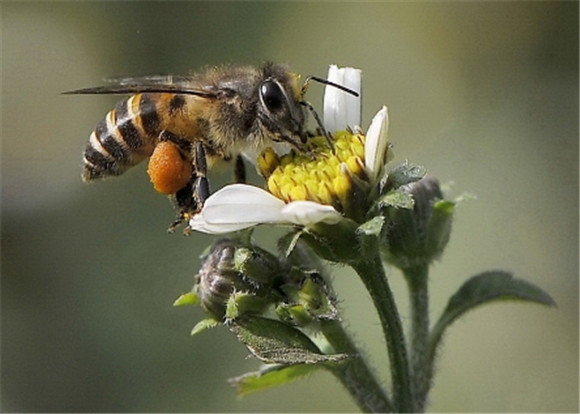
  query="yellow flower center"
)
[{"x": 319, "y": 174}]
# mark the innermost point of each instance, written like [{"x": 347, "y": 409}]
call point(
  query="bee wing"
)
[
  {"x": 150, "y": 80},
  {"x": 153, "y": 84}
]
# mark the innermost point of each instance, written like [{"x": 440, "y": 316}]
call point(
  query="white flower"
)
[{"x": 239, "y": 206}]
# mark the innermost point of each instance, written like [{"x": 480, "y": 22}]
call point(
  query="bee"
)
[{"x": 186, "y": 124}]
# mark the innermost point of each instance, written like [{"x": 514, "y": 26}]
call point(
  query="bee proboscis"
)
[{"x": 215, "y": 115}]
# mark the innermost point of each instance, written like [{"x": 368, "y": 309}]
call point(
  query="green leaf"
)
[
  {"x": 203, "y": 325},
  {"x": 189, "y": 298},
  {"x": 274, "y": 342},
  {"x": 483, "y": 288},
  {"x": 270, "y": 376}
]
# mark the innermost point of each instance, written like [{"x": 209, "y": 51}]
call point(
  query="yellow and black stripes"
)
[{"x": 126, "y": 136}]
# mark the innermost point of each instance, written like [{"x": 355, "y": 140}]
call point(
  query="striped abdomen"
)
[{"x": 129, "y": 133}]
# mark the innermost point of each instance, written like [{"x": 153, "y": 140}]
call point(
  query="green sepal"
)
[
  {"x": 240, "y": 303},
  {"x": 334, "y": 242},
  {"x": 256, "y": 263},
  {"x": 405, "y": 173},
  {"x": 317, "y": 299},
  {"x": 438, "y": 228},
  {"x": 232, "y": 311},
  {"x": 190, "y": 298},
  {"x": 204, "y": 324},
  {"x": 307, "y": 298},
  {"x": 287, "y": 243},
  {"x": 483, "y": 288},
  {"x": 373, "y": 227},
  {"x": 396, "y": 199},
  {"x": 368, "y": 236},
  {"x": 270, "y": 376},
  {"x": 275, "y": 342},
  {"x": 296, "y": 314}
]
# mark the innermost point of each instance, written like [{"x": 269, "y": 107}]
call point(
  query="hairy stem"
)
[
  {"x": 372, "y": 273},
  {"x": 354, "y": 373},
  {"x": 417, "y": 279}
]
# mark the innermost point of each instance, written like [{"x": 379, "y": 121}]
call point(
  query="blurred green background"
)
[{"x": 485, "y": 95}]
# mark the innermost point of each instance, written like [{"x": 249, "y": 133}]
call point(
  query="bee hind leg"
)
[{"x": 190, "y": 199}]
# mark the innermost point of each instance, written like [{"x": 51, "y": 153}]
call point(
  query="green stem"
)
[
  {"x": 354, "y": 373},
  {"x": 372, "y": 273},
  {"x": 417, "y": 279}
]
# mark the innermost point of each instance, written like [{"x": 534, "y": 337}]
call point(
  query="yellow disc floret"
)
[{"x": 325, "y": 175}]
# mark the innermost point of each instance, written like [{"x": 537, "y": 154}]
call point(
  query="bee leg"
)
[
  {"x": 240, "y": 170},
  {"x": 189, "y": 201},
  {"x": 201, "y": 184},
  {"x": 326, "y": 134},
  {"x": 183, "y": 144},
  {"x": 191, "y": 198},
  {"x": 184, "y": 202}
]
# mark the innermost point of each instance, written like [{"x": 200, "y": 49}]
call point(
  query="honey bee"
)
[{"x": 188, "y": 123}]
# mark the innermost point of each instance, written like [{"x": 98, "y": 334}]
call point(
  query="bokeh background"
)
[{"x": 485, "y": 95}]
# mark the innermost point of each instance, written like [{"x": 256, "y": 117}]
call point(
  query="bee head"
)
[{"x": 280, "y": 112}]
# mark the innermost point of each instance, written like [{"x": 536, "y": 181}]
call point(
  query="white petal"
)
[
  {"x": 342, "y": 109},
  {"x": 306, "y": 213},
  {"x": 236, "y": 207},
  {"x": 239, "y": 206},
  {"x": 242, "y": 203},
  {"x": 352, "y": 80},
  {"x": 331, "y": 97},
  {"x": 198, "y": 223},
  {"x": 376, "y": 144}
]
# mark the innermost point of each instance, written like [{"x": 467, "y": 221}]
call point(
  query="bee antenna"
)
[
  {"x": 308, "y": 105},
  {"x": 324, "y": 82},
  {"x": 319, "y": 122}
]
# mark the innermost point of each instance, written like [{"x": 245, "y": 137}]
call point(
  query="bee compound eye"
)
[{"x": 272, "y": 95}]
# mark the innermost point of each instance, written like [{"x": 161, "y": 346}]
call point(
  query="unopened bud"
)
[
  {"x": 419, "y": 235},
  {"x": 234, "y": 270}
]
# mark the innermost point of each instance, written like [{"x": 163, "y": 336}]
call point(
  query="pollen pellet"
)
[{"x": 168, "y": 170}]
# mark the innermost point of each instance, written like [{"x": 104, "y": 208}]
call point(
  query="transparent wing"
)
[{"x": 154, "y": 84}]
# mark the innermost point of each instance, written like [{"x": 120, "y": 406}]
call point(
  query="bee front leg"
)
[{"x": 240, "y": 170}]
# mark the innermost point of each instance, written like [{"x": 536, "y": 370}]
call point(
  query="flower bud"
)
[
  {"x": 307, "y": 298},
  {"x": 236, "y": 275},
  {"x": 419, "y": 235}
]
